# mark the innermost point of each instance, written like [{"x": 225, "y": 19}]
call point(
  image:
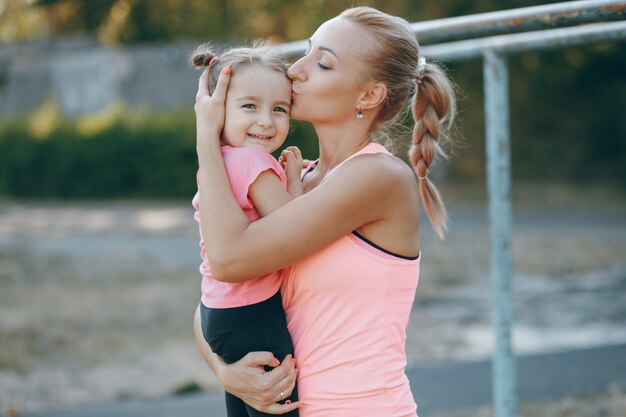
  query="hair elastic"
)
[
  {"x": 213, "y": 61},
  {"x": 421, "y": 67}
]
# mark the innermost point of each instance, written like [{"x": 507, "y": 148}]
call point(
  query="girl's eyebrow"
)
[
  {"x": 255, "y": 98},
  {"x": 248, "y": 98}
]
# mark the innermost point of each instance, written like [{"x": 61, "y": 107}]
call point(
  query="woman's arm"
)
[
  {"x": 360, "y": 193},
  {"x": 247, "y": 378}
]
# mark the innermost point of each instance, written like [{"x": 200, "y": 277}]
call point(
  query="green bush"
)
[{"x": 116, "y": 154}]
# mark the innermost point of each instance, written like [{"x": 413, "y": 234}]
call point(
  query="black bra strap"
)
[{"x": 369, "y": 242}]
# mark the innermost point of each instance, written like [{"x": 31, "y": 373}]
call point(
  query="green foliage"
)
[
  {"x": 191, "y": 387},
  {"x": 566, "y": 108},
  {"x": 567, "y": 105},
  {"x": 118, "y": 153},
  {"x": 134, "y": 155},
  {"x": 133, "y": 21}
]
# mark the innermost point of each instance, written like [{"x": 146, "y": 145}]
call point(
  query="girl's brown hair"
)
[
  {"x": 259, "y": 53},
  {"x": 394, "y": 61}
]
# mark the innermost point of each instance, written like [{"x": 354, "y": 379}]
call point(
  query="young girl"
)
[{"x": 238, "y": 318}]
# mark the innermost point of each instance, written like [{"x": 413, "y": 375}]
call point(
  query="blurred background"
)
[{"x": 98, "y": 247}]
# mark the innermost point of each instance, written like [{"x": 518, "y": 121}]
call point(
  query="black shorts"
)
[{"x": 234, "y": 332}]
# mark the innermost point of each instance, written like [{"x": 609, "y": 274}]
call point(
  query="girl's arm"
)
[
  {"x": 360, "y": 193},
  {"x": 267, "y": 193},
  {"x": 247, "y": 378}
]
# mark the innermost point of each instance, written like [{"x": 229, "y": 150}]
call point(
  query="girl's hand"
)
[
  {"x": 209, "y": 109},
  {"x": 294, "y": 152},
  {"x": 291, "y": 161}
]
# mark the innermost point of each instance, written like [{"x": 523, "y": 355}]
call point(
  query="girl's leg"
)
[
  {"x": 234, "y": 332},
  {"x": 254, "y": 413},
  {"x": 278, "y": 340},
  {"x": 236, "y": 407}
]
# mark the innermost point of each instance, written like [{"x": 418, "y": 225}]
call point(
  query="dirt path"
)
[{"x": 96, "y": 299}]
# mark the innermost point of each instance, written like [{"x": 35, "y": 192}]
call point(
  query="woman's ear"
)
[{"x": 372, "y": 96}]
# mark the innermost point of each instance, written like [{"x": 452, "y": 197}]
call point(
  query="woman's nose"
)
[{"x": 295, "y": 70}]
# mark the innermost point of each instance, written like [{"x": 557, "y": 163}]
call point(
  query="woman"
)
[{"x": 352, "y": 239}]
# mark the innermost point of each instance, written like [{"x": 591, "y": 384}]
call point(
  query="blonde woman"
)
[{"x": 350, "y": 244}]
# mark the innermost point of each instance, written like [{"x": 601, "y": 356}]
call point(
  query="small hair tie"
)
[
  {"x": 422, "y": 178},
  {"x": 421, "y": 67},
  {"x": 213, "y": 61}
]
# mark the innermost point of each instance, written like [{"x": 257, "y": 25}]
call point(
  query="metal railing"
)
[{"x": 493, "y": 36}]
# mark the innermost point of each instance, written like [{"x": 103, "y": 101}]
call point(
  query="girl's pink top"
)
[
  {"x": 243, "y": 166},
  {"x": 347, "y": 310}
]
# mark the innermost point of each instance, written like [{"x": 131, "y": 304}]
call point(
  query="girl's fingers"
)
[
  {"x": 295, "y": 150},
  {"x": 284, "y": 158}
]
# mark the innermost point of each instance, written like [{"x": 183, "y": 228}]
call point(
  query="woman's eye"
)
[{"x": 322, "y": 66}]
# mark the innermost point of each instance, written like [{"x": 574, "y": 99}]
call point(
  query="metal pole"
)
[
  {"x": 518, "y": 20},
  {"x": 529, "y": 41},
  {"x": 499, "y": 188},
  {"x": 548, "y": 16}
]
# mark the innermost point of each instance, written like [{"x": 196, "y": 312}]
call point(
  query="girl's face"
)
[
  {"x": 329, "y": 78},
  {"x": 258, "y": 102}
]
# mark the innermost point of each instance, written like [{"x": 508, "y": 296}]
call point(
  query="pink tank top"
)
[{"x": 347, "y": 310}]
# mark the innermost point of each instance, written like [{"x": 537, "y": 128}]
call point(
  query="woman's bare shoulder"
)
[{"x": 382, "y": 167}]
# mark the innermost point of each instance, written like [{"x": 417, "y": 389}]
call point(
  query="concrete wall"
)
[{"x": 83, "y": 77}]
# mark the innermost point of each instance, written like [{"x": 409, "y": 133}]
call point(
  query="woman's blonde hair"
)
[
  {"x": 394, "y": 61},
  {"x": 260, "y": 53}
]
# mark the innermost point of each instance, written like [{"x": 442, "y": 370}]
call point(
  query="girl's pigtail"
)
[{"x": 204, "y": 56}]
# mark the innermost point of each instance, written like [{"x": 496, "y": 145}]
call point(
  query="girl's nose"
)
[{"x": 264, "y": 121}]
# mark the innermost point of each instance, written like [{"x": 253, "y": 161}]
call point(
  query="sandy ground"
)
[
  {"x": 609, "y": 404},
  {"x": 96, "y": 299}
]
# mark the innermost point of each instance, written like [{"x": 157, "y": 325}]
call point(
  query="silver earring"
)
[{"x": 359, "y": 115}]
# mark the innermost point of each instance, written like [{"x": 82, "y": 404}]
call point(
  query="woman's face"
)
[{"x": 328, "y": 79}]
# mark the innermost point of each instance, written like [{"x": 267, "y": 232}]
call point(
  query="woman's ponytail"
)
[{"x": 433, "y": 109}]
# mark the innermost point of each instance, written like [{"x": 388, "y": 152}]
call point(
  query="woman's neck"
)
[{"x": 337, "y": 144}]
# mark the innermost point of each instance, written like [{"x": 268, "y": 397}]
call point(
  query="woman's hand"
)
[
  {"x": 247, "y": 378},
  {"x": 209, "y": 109}
]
